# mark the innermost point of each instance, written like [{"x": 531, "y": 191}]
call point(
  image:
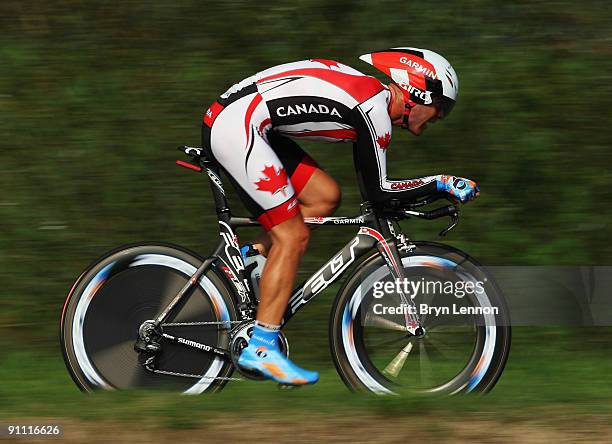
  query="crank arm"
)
[{"x": 197, "y": 345}]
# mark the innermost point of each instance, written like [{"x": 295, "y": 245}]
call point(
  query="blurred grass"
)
[{"x": 562, "y": 379}]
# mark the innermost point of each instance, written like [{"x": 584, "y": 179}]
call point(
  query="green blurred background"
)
[{"x": 95, "y": 95}]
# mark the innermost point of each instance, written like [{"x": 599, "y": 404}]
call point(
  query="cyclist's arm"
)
[{"x": 373, "y": 127}]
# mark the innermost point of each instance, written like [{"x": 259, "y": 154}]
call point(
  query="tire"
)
[
  {"x": 111, "y": 299},
  {"x": 475, "y": 348}
]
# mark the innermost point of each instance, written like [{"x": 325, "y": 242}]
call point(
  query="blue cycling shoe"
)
[{"x": 274, "y": 365}]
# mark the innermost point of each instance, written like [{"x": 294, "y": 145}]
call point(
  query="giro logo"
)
[
  {"x": 425, "y": 96},
  {"x": 306, "y": 108},
  {"x": 418, "y": 67}
]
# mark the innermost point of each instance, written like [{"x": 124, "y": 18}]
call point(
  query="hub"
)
[{"x": 420, "y": 332}]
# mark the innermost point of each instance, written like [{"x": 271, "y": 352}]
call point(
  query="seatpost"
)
[{"x": 218, "y": 191}]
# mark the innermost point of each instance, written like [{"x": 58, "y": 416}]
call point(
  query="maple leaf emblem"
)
[
  {"x": 328, "y": 63},
  {"x": 383, "y": 141},
  {"x": 274, "y": 181}
]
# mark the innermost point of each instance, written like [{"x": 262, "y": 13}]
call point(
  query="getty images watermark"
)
[{"x": 422, "y": 287}]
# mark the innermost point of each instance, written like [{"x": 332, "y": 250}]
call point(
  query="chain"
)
[
  {"x": 191, "y": 375},
  {"x": 149, "y": 364},
  {"x": 178, "y": 324}
]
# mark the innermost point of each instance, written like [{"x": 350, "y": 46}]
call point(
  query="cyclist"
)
[{"x": 250, "y": 132}]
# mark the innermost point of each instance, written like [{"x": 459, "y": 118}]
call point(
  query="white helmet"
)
[{"x": 424, "y": 76}]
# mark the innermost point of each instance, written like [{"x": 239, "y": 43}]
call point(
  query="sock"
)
[{"x": 265, "y": 335}]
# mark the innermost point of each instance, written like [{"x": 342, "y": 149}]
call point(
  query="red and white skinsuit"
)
[{"x": 251, "y": 131}]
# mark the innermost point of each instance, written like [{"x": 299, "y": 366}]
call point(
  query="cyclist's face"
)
[{"x": 420, "y": 116}]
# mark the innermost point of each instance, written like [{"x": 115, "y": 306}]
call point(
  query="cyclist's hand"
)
[{"x": 462, "y": 189}]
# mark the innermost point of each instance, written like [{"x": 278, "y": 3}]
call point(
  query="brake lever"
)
[{"x": 454, "y": 221}]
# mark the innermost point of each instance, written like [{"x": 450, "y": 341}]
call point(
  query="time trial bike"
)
[{"x": 412, "y": 316}]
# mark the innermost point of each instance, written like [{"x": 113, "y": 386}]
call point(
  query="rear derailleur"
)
[{"x": 148, "y": 344}]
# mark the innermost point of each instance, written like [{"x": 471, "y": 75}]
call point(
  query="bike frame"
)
[{"x": 374, "y": 231}]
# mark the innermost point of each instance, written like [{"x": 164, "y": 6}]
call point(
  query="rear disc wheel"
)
[{"x": 117, "y": 294}]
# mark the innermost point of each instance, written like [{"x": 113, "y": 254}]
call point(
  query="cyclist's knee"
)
[
  {"x": 292, "y": 235},
  {"x": 331, "y": 200},
  {"x": 321, "y": 196},
  {"x": 325, "y": 206}
]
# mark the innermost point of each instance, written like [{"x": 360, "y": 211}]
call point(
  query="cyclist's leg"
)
[
  {"x": 263, "y": 184},
  {"x": 264, "y": 187},
  {"x": 289, "y": 242},
  {"x": 318, "y": 193},
  {"x": 266, "y": 190}
]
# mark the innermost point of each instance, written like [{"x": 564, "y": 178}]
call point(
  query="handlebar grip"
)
[{"x": 441, "y": 212}]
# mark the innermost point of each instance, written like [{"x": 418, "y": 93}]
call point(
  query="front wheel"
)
[
  {"x": 466, "y": 338},
  {"x": 112, "y": 299}
]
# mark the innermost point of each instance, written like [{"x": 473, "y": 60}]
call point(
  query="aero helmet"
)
[{"x": 424, "y": 76}]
